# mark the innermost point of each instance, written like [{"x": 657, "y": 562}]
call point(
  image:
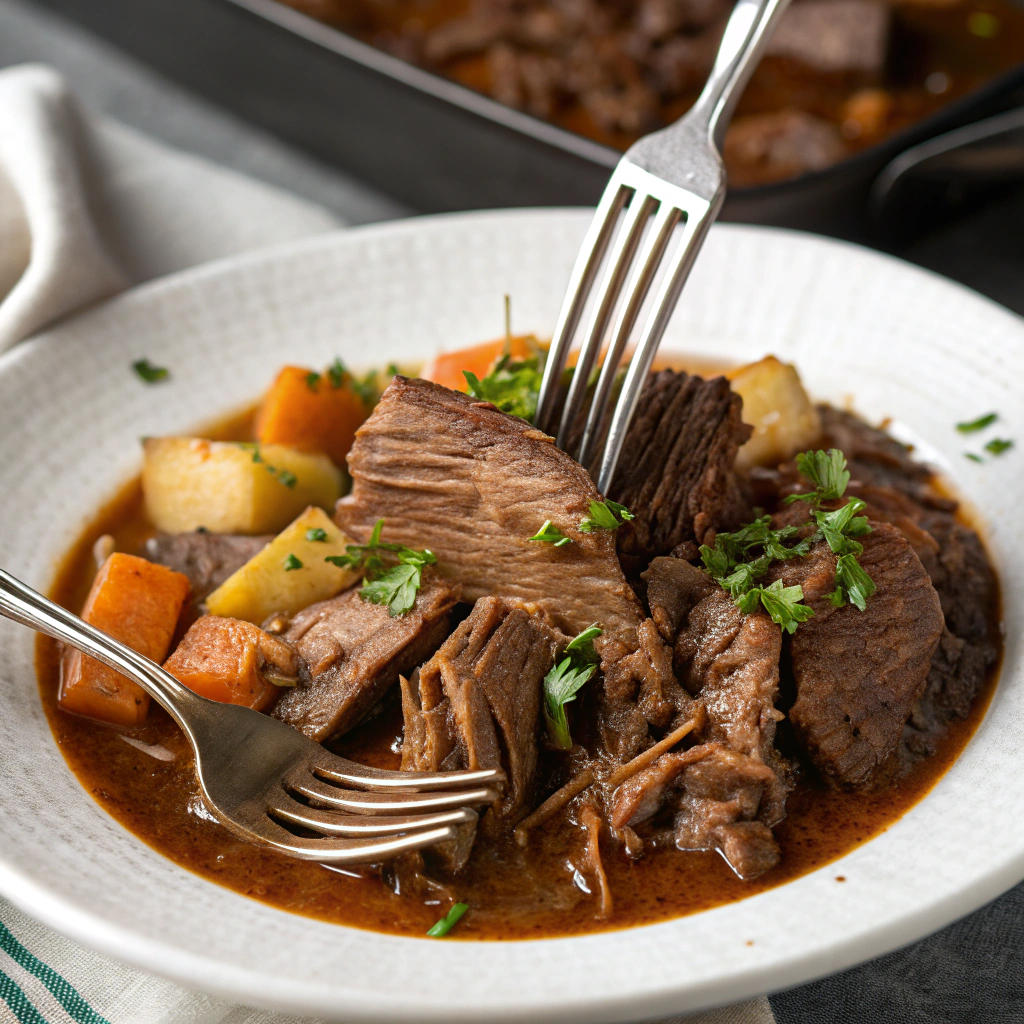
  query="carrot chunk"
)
[
  {"x": 232, "y": 661},
  {"x": 312, "y": 412},
  {"x": 138, "y": 603},
  {"x": 447, "y": 367}
]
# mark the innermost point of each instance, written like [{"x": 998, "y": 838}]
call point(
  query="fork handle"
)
[
  {"x": 27, "y": 606},
  {"x": 746, "y": 34}
]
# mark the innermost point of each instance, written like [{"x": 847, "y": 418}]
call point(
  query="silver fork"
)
[
  {"x": 250, "y": 767},
  {"x": 673, "y": 178}
]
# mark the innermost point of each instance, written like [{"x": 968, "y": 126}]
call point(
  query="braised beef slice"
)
[
  {"x": 676, "y": 469},
  {"x": 858, "y": 674},
  {"x": 477, "y": 702},
  {"x": 835, "y": 36},
  {"x": 472, "y": 484},
  {"x": 207, "y": 559},
  {"x": 356, "y": 651}
]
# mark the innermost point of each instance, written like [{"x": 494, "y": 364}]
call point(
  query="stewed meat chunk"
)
[{"x": 355, "y": 651}]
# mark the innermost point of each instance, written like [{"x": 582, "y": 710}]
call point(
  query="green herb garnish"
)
[
  {"x": 827, "y": 471},
  {"x": 291, "y": 563},
  {"x": 337, "y": 373},
  {"x": 367, "y": 389},
  {"x": 448, "y": 922},
  {"x": 738, "y": 560},
  {"x": 146, "y": 371},
  {"x": 395, "y": 586},
  {"x": 784, "y": 604},
  {"x": 312, "y": 380},
  {"x": 286, "y": 476},
  {"x": 998, "y": 445},
  {"x": 577, "y": 664},
  {"x": 973, "y": 457},
  {"x": 549, "y": 534},
  {"x": 605, "y": 515},
  {"x": 317, "y": 534},
  {"x": 392, "y": 370},
  {"x": 973, "y": 426},
  {"x": 511, "y": 386}
]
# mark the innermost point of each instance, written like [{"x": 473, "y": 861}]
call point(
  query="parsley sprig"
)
[
  {"x": 395, "y": 586},
  {"x": 146, "y": 371},
  {"x": 605, "y": 515},
  {"x": 576, "y": 666},
  {"x": 738, "y": 560},
  {"x": 550, "y": 534},
  {"x": 512, "y": 385}
]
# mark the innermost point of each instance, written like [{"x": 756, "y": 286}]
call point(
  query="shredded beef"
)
[
  {"x": 356, "y": 651},
  {"x": 477, "y": 702}
]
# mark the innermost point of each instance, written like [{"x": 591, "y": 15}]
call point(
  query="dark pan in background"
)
[{"x": 435, "y": 144}]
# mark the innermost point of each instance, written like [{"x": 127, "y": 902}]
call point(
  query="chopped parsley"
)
[
  {"x": 605, "y": 515},
  {"x": 973, "y": 426},
  {"x": 973, "y": 457},
  {"x": 512, "y": 386},
  {"x": 577, "y": 664},
  {"x": 291, "y": 563},
  {"x": 998, "y": 445},
  {"x": 317, "y": 534},
  {"x": 549, "y": 534},
  {"x": 151, "y": 374},
  {"x": 367, "y": 389},
  {"x": 448, "y": 922},
  {"x": 312, "y": 380},
  {"x": 395, "y": 586},
  {"x": 337, "y": 373},
  {"x": 286, "y": 476},
  {"x": 738, "y": 560}
]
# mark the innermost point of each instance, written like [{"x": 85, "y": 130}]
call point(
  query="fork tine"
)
[
  {"x": 284, "y": 808},
  {"x": 340, "y": 769},
  {"x": 348, "y": 851},
  {"x": 647, "y": 263},
  {"x": 619, "y": 260},
  {"x": 698, "y": 222},
  {"x": 357, "y": 802},
  {"x": 584, "y": 270}
]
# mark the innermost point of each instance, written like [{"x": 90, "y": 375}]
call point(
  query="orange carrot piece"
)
[
  {"x": 305, "y": 410},
  {"x": 138, "y": 603},
  {"x": 447, "y": 367},
  {"x": 228, "y": 660}
]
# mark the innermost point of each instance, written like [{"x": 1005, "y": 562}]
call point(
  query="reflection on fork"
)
[{"x": 267, "y": 782}]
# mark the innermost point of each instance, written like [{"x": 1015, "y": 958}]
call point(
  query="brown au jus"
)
[
  {"x": 840, "y": 75},
  {"x": 841, "y": 716}
]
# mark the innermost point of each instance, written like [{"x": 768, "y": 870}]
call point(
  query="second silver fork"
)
[{"x": 669, "y": 183}]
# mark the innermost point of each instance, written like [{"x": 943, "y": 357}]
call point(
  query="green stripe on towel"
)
[
  {"x": 77, "y": 1008},
  {"x": 18, "y": 1001}
]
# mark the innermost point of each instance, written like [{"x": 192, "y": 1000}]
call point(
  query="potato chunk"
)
[
  {"x": 233, "y": 662},
  {"x": 776, "y": 405},
  {"x": 138, "y": 603},
  {"x": 225, "y": 487},
  {"x": 289, "y": 574}
]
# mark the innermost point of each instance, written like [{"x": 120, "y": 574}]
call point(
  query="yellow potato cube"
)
[
  {"x": 781, "y": 412},
  {"x": 289, "y": 574},
  {"x": 226, "y": 487}
]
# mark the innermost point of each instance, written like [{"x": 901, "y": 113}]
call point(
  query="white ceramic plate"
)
[{"x": 902, "y": 342}]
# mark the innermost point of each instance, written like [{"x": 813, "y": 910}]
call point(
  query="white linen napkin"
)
[{"x": 87, "y": 209}]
